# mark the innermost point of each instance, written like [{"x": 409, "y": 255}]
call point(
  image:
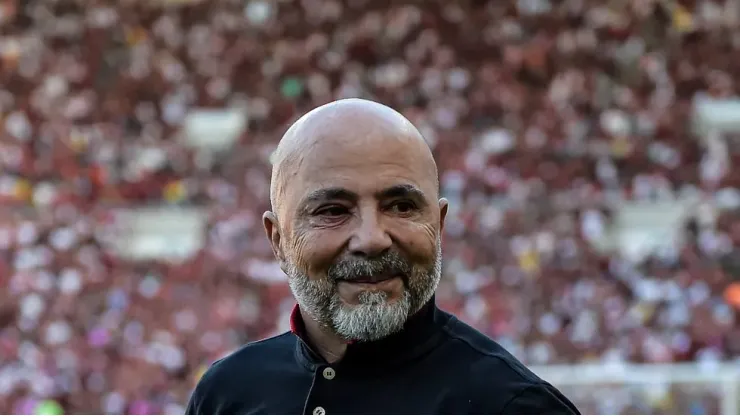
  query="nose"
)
[{"x": 370, "y": 238}]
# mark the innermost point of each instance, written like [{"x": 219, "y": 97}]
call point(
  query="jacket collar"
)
[{"x": 421, "y": 333}]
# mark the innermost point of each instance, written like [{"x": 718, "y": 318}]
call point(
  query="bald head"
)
[{"x": 345, "y": 129}]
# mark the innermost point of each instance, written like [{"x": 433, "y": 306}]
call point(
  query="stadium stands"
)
[{"x": 586, "y": 148}]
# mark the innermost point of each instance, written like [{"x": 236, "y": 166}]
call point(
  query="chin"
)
[
  {"x": 375, "y": 317},
  {"x": 374, "y": 299}
]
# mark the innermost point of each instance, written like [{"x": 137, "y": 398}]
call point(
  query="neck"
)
[{"x": 327, "y": 344}]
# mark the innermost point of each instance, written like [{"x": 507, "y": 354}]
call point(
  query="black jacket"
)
[{"x": 436, "y": 365}]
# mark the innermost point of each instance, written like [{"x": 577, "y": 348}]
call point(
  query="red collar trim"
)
[
  {"x": 298, "y": 327},
  {"x": 296, "y": 321}
]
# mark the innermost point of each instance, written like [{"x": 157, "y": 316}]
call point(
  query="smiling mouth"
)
[{"x": 372, "y": 279}]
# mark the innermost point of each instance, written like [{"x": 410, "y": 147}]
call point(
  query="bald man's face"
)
[{"x": 358, "y": 231}]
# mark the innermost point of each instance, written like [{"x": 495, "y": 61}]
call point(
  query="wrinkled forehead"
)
[{"x": 363, "y": 162}]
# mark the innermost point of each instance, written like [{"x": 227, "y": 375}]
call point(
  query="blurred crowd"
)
[{"x": 541, "y": 114}]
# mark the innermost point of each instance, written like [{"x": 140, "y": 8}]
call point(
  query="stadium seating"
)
[{"x": 586, "y": 148}]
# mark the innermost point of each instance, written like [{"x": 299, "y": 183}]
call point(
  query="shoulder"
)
[
  {"x": 218, "y": 383},
  {"x": 539, "y": 398},
  {"x": 485, "y": 355},
  {"x": 498, "y": 382},
  {"x": 252, "y": 356}
]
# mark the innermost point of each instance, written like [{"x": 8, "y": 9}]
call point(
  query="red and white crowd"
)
[{"x": 540, "y": 113}]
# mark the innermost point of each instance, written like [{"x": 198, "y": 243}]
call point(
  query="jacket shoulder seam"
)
[
  {"x": 448, "y": 331},
  {"x": 519, "y": 394},
  {"x": 247, "y": 345}
]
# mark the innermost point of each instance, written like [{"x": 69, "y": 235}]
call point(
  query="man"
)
[{"x": 356, "y": 224}]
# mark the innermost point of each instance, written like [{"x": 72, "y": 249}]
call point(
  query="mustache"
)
[{"x": 388, "y": 264}]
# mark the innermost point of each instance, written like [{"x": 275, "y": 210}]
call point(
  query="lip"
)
[{"x": 373, "y": 279}]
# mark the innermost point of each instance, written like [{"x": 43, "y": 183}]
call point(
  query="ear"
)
[
  {"x": 443, "y": 205},
  {"x": 272, "y": 230}
]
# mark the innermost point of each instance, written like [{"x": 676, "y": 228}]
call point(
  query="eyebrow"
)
[
  {"x": 328, "y": 194},
  {"x": 403, "y": 191},
  {"x": 342, "y": 194}
]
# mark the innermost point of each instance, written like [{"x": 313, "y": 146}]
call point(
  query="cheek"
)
[
  {"x": 315, "y": 252},
  {"x": 419, "y": 241}
]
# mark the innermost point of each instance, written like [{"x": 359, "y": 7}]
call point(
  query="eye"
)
[
  {"x": 403, "y": 207},
  {"x": 331, "y": 211}
]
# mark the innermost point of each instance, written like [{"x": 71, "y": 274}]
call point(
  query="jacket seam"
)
[
  {"x": 278, "y": 336},
  {"x": 448, "y": 331},
  {"x": 516, "y": 396}
]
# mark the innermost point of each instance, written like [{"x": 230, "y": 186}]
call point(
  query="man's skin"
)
[{"x": 352, "y": 178}]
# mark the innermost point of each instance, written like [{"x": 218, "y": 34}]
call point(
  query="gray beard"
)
[{"x": 375, "y": 317}]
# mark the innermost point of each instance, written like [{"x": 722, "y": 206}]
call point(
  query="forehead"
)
[{"x": 363, "y": 164}]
